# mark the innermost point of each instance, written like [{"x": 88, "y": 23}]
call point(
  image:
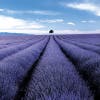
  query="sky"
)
[{"x": 39, "y": 16}]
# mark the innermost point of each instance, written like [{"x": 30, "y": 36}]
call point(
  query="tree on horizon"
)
[{"x": 51, "y": 31}]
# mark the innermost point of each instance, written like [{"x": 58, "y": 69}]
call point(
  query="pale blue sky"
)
[{"x": 38, "y": 16}]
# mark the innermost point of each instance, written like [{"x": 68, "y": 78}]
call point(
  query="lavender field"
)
[{"x": 55, "y": 67}]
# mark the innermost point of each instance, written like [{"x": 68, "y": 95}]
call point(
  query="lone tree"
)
[{"x": 51, "y": 31}]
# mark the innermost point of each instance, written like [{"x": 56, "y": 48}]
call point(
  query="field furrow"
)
[
  {"x": 14, "y": 68},
  {"x": 87, "y": 63},
  {"x": 55, "y": 78},
  {"x": 54, "y": 67},
  {"x": 90, "y": 47},
  {"x": 6, "y": 52}
]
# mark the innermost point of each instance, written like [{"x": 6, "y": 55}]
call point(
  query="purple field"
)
[{"x": 56, "y": 67}]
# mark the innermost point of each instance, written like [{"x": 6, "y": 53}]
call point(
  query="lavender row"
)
[
  {"x": 55, "y": 78},
  {"x": 86, "y": 62},
  {"x": 93, "y": 39},
  {"x": 86, "y": 46},
  {"x": 14, "y": 49},
  {"x": 8, "y": 40},
  {"x": 14, "y": 68},
  {"x": 20, "y": 43}
]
